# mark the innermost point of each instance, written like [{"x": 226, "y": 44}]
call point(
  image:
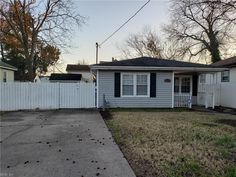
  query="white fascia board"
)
[
  {"x": 135, "y": 68},
  {"x": 7, "y": 68}
]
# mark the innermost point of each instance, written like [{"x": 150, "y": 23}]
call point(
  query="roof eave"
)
[
  {"x": 8, "y": 68},
  {"x": 135, "y": 68}
]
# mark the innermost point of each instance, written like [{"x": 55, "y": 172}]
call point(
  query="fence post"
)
[{"x": 59, "y": 95}]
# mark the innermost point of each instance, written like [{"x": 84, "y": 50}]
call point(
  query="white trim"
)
[
  {"x": 135, "y": 84},
  {"x": 97, "y": 81},
  {"x": 158, "y": 68},
  {"x": 173, "y": 90},
  {"x": 8, "y": 68}
]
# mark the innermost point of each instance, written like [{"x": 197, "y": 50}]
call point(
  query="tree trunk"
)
[
  {"x": 29, "y": 66},
  {"x": 215, "y": 55},
  {"x": 30, "y": 74},
  {"x": 2, "y": 52},
  {"x": 214, "y": 47}
]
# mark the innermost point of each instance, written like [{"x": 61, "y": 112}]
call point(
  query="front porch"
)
[{"x": 192, "y": 89}]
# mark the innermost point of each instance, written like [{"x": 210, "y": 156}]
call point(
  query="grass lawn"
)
[{"x": 175, "y": 144}]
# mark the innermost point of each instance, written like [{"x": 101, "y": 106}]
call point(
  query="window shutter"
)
[
  {"x": 195, "y": 82},
  {"x": 153, "y": 85},
  {"x": 117, "y": 85}
]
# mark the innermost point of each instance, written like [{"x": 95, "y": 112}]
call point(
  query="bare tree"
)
[
  {"x": 203, "y": 27},
  {"x": 146, "y": 43},
  {"x": 30, "y": 22}
]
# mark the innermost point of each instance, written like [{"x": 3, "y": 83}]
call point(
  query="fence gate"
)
[
  {"x": 77, "y": 95},
  {"x": 20, "y": 96}
]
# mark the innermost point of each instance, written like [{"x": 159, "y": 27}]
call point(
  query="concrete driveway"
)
[{"x": 62, "y": 143}]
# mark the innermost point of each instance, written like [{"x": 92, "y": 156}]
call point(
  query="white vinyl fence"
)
[
  {"x": 209, "y": 95},
  {"x": 20, "y": 96},
  {"x": 228, "y": 94}
]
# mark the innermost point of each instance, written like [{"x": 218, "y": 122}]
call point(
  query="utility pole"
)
[{"x": 97, "y": 52}]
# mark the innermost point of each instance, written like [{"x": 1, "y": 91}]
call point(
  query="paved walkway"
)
[{"x": 63, "y": 143}]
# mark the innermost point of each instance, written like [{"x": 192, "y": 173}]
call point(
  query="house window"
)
[
  {"x": 225, "y": 76},
  {"x": 185, "y": 86},
  {"x": 128, "y": 85},
  {"x": 4, "y": 76},
  {"x": 135, "y": 84},
  {"x": 202, "y": 78},
  {"x": 176, "y": 85},
  {"x": 142, "y": 84}
]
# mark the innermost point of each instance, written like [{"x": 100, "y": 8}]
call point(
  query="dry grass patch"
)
[{"x": 176, "y": 143}]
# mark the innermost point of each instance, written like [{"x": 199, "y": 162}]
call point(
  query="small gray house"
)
[{"x": 151, "y": 83}]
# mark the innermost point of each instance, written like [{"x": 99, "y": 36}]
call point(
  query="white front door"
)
[
  {"x": 183, "y": 91},
  {"x": 183, "y": 85}
]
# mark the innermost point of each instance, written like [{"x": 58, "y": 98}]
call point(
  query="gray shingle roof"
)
[
  {"x": 77, "y": 67},
  {"x": 230, "y": 62},
  {"x": 7, "y": 66},
  {"x": 153, "y": 62},
  {"x": 65, "y": 77}
]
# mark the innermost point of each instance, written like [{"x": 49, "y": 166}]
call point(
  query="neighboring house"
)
[
  {"x": 6, "y": 72},
  {"x": 225, "y": 80},
  {"x": 65, "y": 78},
  {"x": 84, "y": 70},
  {"x": 39, "y": 79},
  {"x": 149, "y": 82}
]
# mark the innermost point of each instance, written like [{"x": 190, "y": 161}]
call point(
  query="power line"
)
[{"x": 124, "y": 23}]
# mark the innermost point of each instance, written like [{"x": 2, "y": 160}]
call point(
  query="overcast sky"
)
[{"x": 106, "y": 16}]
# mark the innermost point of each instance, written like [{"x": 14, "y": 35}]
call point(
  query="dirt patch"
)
[
  {"x": 231, "y": 122},
  {"x": 11, "y": 119},
  {"x": 106, "y": 115},
  {"x": 210, "y": 124}
]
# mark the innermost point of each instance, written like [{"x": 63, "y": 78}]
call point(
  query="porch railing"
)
[{"x": 183, "y": 100}]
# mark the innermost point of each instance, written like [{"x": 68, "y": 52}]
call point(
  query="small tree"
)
[{"x": 32, "y": 22}]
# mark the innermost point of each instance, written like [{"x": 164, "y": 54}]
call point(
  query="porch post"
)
[
  {"x": 206, "y": 99},
  {"x": 173, "y": 85},
  {"x": 213, "y": 92},
  {"x": 97, "y": 89},
  {"x": 191, "y": 92}
]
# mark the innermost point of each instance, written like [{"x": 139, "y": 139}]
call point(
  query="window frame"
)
[
  {"x": 135, "y": 84},
  {"x": 202, "y": 78},
  {"x": 228, "y": 80},
  {"x": 180, "y": 84},
  {"x": 190, "y": 85}
]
